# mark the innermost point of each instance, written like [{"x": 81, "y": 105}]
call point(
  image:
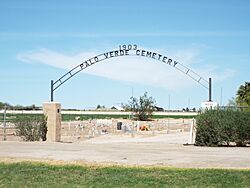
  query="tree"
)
[
  {"x": 243, "y": 95},
  {"x": 4, "y": 104},
  {"x": 100, "y": 107},
  {"x": 142, "y": 107}
]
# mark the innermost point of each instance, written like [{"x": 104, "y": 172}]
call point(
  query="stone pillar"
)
[{"x": 53, "y": 112}]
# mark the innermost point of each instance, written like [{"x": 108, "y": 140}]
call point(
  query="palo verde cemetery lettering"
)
[{"x": 128, "y": 50}]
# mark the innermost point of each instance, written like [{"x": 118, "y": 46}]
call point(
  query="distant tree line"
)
[{"x": 18, "y": 107}]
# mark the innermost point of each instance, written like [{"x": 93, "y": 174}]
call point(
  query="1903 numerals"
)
[{"x": 128, "y": 47}]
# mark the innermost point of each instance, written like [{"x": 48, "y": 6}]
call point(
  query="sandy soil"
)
[{"x": 152, "y": 150}]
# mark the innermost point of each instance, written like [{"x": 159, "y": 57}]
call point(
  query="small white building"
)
[
  {"x": 117, "y": 108},
  {"x": 209, "y": 105}
]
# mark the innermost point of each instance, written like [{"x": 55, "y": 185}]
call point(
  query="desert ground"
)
[{"x": 157, "y": 149}]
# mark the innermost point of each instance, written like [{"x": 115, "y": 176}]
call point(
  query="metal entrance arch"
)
[{"x": 131, "y": 50}]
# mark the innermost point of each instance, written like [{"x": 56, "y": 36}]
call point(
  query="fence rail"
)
[{"x": 96, "y": 112}]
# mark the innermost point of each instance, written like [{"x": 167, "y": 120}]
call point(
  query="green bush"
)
[
  {"x": 222, "y": 127},
  {"x": 31, "y": 128}
]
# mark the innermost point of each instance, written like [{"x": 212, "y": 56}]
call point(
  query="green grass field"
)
[{"x": 44, "y": 175}]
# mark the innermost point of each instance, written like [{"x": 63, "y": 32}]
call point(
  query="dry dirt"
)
[{"x": 152, "y": 150}]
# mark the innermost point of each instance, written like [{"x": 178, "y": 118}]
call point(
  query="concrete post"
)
[
  {"x": 192, "y": 133},
  {"x": 53, "y": 112}
]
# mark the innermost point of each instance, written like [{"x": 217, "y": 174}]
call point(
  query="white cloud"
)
[
  {"x": 130, "y": 69},
  {"x": 217, "y": 74},
  {"x": 53, "y": 58}
]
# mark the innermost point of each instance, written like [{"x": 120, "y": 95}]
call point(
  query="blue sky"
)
[{"x": 40, "y": 40}]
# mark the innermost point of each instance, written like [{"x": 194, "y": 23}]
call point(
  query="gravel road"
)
[{"x": 152, "y": 150}]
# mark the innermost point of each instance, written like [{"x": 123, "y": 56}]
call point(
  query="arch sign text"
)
[
  {"x": 128, "y": 50},
  {"x": 131, "y": 50}
]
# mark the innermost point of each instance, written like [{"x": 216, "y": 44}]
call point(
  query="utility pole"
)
[
  {"x": 4, "y": 124},
  {"x": 133, "y": 108},
  {"x": 221, "y": 96},
  {"x": 168, "y": 113},
  {"x": 169, "y": 102}
]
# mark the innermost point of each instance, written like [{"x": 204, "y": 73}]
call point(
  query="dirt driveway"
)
[{"x": 155, "y": 150}]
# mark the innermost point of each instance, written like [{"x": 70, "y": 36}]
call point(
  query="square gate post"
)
[{"x": 52, "y": 110}]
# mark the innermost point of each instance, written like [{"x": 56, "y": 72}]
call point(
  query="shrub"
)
[
  {"x": 31, "y": 128},
  {"x": 222, "y": 127},
  {"x": 242, "y": 119}
]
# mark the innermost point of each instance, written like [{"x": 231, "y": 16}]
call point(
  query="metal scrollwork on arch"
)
[{"x": 130, "y": 50}]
